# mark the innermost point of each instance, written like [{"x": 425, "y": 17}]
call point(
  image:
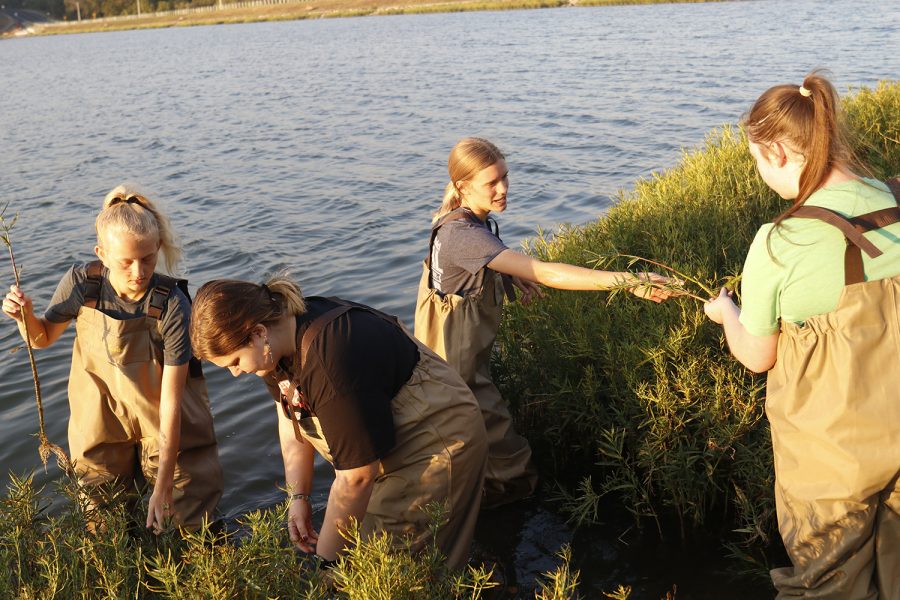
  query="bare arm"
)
[
  {"x": 298, "y": 476},
  {"x": 349, "y": 497},
  {"x": 564, "y": 276},
  {"x": 18, "y": 306},
  {"x": 173, "y": 381},
  {"x": 757, "y": 353}
]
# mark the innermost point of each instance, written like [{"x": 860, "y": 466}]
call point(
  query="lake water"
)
[{"x": 320, "y": 147}]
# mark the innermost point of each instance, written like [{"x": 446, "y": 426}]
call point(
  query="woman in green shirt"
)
[{"x": 819, "y": 313}]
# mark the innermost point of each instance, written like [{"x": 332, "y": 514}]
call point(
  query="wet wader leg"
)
[
  {"x": 198, "y": 479},
  {"x": 831, "y": 545},
  {"x": 462, "y": 330},
  {"x": 887, "y": 543}
]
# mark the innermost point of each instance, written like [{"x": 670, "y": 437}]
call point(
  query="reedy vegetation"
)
[
  {"x": 643, "y": 404},
  {"x": 56, "y": 557}
]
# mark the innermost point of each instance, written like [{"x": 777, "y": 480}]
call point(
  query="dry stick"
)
[{"x": 46, "y": 446}]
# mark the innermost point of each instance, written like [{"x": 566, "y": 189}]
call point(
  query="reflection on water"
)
[{"x": 320, "y": 147}]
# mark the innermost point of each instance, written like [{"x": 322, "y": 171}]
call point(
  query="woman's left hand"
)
[
  {"x": 529, "y": 290},
  {"x": 159, "y": 511},
  {"x": 300, "y": 528},
  {"x": 652, "y": 290},
  {"x": 716, "y": 307}
]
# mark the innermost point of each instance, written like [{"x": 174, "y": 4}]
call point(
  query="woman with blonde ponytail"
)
[
  {"x": 137, "y": 398},
  {"x": 465, "y": 277},
  {"x": 399, "y": 426},
  {"x": 820, "y": 294}
]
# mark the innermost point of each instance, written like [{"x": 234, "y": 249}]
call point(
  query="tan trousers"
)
[
  {"x": 114, "y": 391},
  {"x": 462, "y": 330},
  {"x": 834, "y": 406},
  {"x": 439, "y": 456}
]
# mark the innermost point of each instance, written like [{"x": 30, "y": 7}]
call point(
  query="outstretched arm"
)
[
  {"x": 569, "y": 277},
  {"x": 757, "y": 353}
]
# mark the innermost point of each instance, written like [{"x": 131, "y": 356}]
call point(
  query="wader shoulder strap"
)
[
  {"x": 853, "y": 229},
  {"x": 156, "y": 306},
  {"x": 92, "y": 283},
  {"x": 309, "y": 336}
]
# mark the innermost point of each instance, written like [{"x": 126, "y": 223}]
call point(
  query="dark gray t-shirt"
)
[
  {"x": 461, "y": 249},
  {"x": 174, "y": 323}
]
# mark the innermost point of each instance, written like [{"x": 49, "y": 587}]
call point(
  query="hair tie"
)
[
  {"x": 805, "y": 92},
  {"x": 131, "y": 199}
]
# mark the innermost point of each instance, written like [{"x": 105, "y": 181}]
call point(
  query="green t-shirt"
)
[{"x": 798, "y": 271}]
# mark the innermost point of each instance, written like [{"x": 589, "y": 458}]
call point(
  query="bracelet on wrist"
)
[
  {"x": 306, "y": 497},
  {"x": 324, "y": 563}
]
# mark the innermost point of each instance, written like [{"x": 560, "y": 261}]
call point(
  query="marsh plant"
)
[
  {"x": 46, "y": 447},
  {"x": 634, "y": 405},
  {"x": 56, "y": 556}
]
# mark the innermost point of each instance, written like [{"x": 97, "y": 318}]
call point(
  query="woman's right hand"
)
[
  {"x": 300, "y": 527},
  {"x": 15, "y": 302},
  {"x": 651, "y": 287}
]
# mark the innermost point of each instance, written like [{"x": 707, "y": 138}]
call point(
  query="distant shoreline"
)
[{"x": 290, "y": 10}]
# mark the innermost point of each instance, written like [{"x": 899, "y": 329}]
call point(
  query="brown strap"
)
[
  {"x": 92, "y": 283},
  {"x": 315, "y": 328},
  {"x": 853, "y": 229},
  {"x": 853, "y": 265},
  {"x": 894, "y": 186}
]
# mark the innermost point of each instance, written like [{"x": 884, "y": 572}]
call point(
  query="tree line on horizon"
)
[{"x": 92, "y": 9}]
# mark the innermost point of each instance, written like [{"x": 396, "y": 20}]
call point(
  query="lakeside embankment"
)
[{"x": 289, "y": 10}]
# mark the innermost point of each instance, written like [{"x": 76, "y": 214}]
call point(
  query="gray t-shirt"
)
[
  {"x": 461, "y": 249},
  {"x": 174, "y": 323}
]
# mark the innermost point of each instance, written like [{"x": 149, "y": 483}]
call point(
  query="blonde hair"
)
[
  {"x": 225, "y": 311},
  {"x": 468, "y": 157},
  {"x": 808, "y": 118},
  {"x": 128, "y": 210}
]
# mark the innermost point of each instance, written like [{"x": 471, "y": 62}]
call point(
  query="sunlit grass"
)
[{"x": 57, "y": 557}]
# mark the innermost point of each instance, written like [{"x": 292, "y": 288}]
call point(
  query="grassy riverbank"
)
[
  {"x": 312, "y": 9},
  {"x": 642, "y": 405}
]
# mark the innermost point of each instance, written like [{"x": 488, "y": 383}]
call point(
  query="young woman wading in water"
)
[{"x": 466, "y": 276}]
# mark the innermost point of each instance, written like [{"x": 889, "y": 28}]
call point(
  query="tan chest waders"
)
[
  {"x": 439, "y": 455},
  {"x": 462, "y": 330},
  {"x": 833, "y": 402},
  {"x": 114, "y": 394}
]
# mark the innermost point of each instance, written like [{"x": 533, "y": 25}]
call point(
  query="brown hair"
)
[
  {"x": 225, "y": 312},
  {"x": 126, "y": 209},
  {"x": 468, "y": 157},
  {"x": 809, "y": 120}
]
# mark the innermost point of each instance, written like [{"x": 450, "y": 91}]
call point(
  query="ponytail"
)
[
  {"x": 808, "y": 119},
  {"x": 468, "y": 157},
  {"x": 126, "y": 209}
]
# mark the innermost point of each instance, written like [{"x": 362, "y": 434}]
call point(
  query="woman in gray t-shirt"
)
[{"x": 466, "y": 275}]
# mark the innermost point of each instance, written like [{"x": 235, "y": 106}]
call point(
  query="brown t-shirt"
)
[{"x": 354, "y": 368}]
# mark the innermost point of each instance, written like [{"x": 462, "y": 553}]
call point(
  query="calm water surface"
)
[{"x": 320, "y": 147}]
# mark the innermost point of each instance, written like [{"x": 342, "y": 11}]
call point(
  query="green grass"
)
[
  {"x": 56, "y": 557},
  {"x": 642, "y": 405}
]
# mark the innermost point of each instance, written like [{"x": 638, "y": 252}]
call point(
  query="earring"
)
[{"x": 267, "y": 351}]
